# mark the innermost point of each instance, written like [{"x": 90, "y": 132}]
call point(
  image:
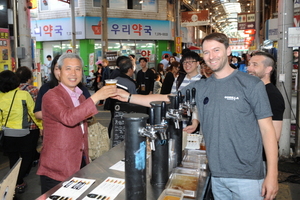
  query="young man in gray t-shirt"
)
[{"x": 235, "y": 115}]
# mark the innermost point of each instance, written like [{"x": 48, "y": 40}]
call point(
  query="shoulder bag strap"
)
[{"x": 10, "y": 107}]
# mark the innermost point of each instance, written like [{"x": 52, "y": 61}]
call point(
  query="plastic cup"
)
[{"x": 111, "y": 81}]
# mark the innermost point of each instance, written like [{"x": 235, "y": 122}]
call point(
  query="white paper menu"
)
[
  {"x": 72, "y": 189},
  {"x": 107, "y": 190}
]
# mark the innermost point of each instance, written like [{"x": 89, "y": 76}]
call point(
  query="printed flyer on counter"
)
[
  {"x": 72, "y": 189},
  {"x": 107, "y": 190}
]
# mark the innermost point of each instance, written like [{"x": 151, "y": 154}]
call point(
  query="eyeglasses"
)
[{"x": 189, "y": 62}]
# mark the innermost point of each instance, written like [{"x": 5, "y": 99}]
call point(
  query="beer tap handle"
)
[
  {"x": 176, "y": 104},
  {"x": 188, "y": 95},
  {"x": 193, "y": 95},
  {"x": 151, "y": 116},
  {"x": 179, "y": 94},
  {"x": 163, "y": 109}
]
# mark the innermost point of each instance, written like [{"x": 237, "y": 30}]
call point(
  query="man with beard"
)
[{"x": 262, "y": 65}]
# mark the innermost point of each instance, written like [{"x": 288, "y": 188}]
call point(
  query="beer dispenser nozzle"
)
[
  {"x": 176, "y": 113},
  {"x": 151, "y": 130}
]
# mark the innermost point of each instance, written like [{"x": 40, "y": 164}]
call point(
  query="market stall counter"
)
[{"x": 99, "y": 172}]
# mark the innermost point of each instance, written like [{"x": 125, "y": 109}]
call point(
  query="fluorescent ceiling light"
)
[{"x": 232, "y": 7}]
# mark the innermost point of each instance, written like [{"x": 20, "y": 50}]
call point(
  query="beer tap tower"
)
[
  {"x": 135, "y": 157},
  {"x": 176, "y": 114},
  {"x": 136, "y": 132},
  {"x": 160, "y": 163}
]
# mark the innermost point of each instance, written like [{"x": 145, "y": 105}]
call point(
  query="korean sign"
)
[
  {"x": 57, "y": 29},
  {"x": 124, "y": 28},
  {"x": 90, "y": 28},
  {"x": 195, "y": 18},
  {"x": 5, "y": 60},
  {"x": 246, "y": 21}
]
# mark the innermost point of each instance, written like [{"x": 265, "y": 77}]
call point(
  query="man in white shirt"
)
[{"x": 165, "y": 61}]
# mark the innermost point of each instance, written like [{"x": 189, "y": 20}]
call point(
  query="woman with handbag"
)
[{"x": 16, "y": 107}]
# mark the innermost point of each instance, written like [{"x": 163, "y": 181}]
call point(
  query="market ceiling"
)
[{"x": 223, "y": 13}]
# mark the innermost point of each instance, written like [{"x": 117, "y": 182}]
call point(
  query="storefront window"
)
[
  {"x": 146, "y": 49},
  {"x": 145, "y": 5},
  {"x": 97, "y": 3},
  {"x": 58, "y": 48},
  {"x": 125, "y": 48},
  {"x": 118, "y": 4},
  {"x": 55, "y": 5}
]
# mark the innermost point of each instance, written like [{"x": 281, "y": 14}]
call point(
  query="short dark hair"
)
[
  {"x": 269, "y": 59},
  {"x": 49, "y": 56},
  {"x": 24, "y": 73},
  {"x": 132, "y": 55},
  {"x": 119, "y": 59},
  {"x": 219, "y": 37},
  {"x": 144, "y": 59},
  {"x": 166, "y": 56},
  {"x": 184, "y": 51},
  {"x": 125, "y": 64},
  {"x": 192, "y": 55},
  {"x": 8, "y": 81},
  {"x": 174, "y": 54}
]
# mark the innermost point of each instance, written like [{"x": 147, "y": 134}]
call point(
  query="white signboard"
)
[
  {"x": 294, "y": 37},
  {"x": 272, "y": 30}
]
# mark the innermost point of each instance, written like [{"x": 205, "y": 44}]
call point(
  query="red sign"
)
[
  {"x": 146, "y": 54},
  {"x": 69, "y": 51},
  {"x": 249, "y": 31},
  {"x": 195, "y": 18}
]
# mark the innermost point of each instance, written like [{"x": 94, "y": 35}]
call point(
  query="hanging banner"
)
[
  {"x": 178, "y": 47},
  {"x": 195, "y": 18},
  {"x": 5, "y": 52}
]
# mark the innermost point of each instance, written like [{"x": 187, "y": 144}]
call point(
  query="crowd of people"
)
[{"x": 240, "y": 115}]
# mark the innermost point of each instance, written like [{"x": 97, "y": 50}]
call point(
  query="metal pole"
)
[
  {"x": 15, "y": 32},
  {"x": 263, "y": 19},
  {"x": 284, "y": 63},
  {"x": 104, "y": 28},
  {"x": 135, "y": 157},
  {"x": 257, "y": 23},
  {"x": 24, "y": 34},
  {"x": 73, "y": 42},
  {"x": 177, "y": 13},
  {"x": 297, "y": 134}
]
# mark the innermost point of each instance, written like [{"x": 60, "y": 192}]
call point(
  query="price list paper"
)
[
  {"x": 294, "y": 37},
  {"x": 107, "y": 190},
  {"x": 72, "y": 189}
]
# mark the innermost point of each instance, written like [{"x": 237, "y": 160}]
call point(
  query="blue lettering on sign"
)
[
  {"x": 140, "y": 157},
  {"x": 273, "y": 31}
]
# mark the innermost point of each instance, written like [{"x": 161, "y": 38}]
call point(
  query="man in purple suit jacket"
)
[{"x": 65, "y": 110}]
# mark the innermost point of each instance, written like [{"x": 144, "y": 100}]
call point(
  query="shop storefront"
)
[{"x": 144, "y": 38}]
